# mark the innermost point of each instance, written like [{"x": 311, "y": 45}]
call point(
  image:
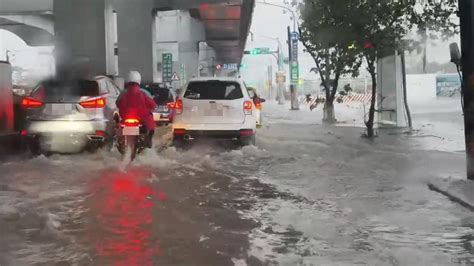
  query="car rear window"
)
[
  {"x": 162, "y": 96},
  {"x": 213, "y": 90},
  {"x": 58, "y": 88}
]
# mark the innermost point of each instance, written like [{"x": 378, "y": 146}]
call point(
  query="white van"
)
[{"x": 213, "y": 107}]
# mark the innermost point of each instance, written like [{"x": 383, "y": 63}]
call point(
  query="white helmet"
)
[{"x": 134, "y": 76}]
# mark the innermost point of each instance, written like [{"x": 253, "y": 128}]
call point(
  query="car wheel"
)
[
  {"x": 248, "y": 141},
  {"x": 33, "y": 146},
  {"x": 179, "y": 143},
  {"x": 93, "y": 147}
]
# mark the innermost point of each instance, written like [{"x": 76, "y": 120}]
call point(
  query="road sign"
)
[
  {"x": 231, "y": 66},
  {"x": 167, "y": 67},
  {"x": 294, "y": 68},
  {"x": 294, "y": 36},
  {"x": 201, "y": 67},
  {"x": 175, "y": 77},
  {"x": 182, "y": 72},
  {"x": 280, "y": 77},
  {"x": 257, "y": 51},
  {"x": 294, "y": 73}
]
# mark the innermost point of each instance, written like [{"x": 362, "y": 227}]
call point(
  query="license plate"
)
[
  {"x": 156, "y": 116},
  {"x": 131, "y": 131},
  {"x": 214, "y": 109},
  {"x": 61, "y": 109},
  {"x": 163, "y": 109}
]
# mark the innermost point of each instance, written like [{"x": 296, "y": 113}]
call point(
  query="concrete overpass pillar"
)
[
  {"x": 80, "y": 31},
  {"x": 189, "y": 57},
  {"x": 207, "y": 60},
  {"x": 178, "y": 28},
  {"x": 136, "y": 35}
]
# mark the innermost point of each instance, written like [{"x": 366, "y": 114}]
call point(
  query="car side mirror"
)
[
  {"x": 455, "y": 53},
  {"x": 262, "y": 100}
]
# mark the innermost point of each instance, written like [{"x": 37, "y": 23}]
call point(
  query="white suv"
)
[{"x": 215, "y": 108}]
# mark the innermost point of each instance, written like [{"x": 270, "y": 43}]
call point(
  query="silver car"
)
[{"x": 70, "y": 116}]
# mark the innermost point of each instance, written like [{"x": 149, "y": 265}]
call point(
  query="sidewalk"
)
[{"x": 457, "y": 190}]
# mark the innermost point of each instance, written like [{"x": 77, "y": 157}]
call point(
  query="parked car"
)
[
  {"x": 258, "y": 104},
  {"x": 165, "y": 98},
  {"x": 215, "y": 108},
  {"x": 70, "y": 116}
]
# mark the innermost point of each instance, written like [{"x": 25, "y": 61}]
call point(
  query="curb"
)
[{"x": 451, "y": 196}]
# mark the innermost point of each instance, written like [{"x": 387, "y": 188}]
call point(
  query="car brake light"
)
[
  {"x": 100, "y": 133},
  {"x": 31, "y": 103},
  {"x": 24, "y": 132},
  {"x": 179, "y": 106},
  {"x": 96, "y": 103},
  {"x": 171, "y": 105},
  {"x": 179, "y": 132},
  {"x": 248, "y": 105},
  {"x": 131, "y": 122}
]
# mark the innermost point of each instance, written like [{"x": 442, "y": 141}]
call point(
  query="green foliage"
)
[{"x": 327, "y": 38}]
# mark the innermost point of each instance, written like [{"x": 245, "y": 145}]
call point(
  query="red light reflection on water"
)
[{"x": 122, "y": 204}]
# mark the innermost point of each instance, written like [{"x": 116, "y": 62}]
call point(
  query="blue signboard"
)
[
  {"x": 294, "y": 68},
  {"x": 448, "y": 85}
]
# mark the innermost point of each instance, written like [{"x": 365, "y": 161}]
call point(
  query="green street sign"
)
[
  {"x": 294, "y": 72},
  {"x": 167, "y": 69},
  {"x": 257, "y": 51},
  {"x": 182, "y": 73}
]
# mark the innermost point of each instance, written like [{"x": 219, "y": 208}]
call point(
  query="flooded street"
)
[{"x": 322, "y": 196}]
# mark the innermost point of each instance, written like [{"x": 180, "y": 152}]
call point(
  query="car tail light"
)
[
  {"x": 100, "y": 133},
  {"x": 258, "y": 104},
  {"x": 179, "y": 106},
  {"x": 96, "y": 103},
  {"x": 171, "y": 105},
  {"x": 248, "y": 105},
  {"x": 246, "y": 133},
  {"x": 31, "y": 103},
  {"x": 24, "y": 132},
  {"x": 130, "y": 122},
  {"x": 179, "y": 132}
]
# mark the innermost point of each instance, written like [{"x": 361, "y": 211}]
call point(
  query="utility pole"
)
[
  {"x": 270, "y": 81},
  {"x": 280, "y": 68},
  {"x": 294, "y": 100},
  {"x": 293, "y": 58},
  {"x": 466, "y": 14}
]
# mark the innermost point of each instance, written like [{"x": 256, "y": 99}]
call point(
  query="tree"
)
[
  {"x": 384, "y": 27},
  {"x": 331, "y": 44}
]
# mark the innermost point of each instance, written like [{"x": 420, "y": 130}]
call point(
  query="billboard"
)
[{"x": 448, "y": 85}]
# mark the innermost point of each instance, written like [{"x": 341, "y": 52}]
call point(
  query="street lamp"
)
[
  {"x": 278, "y": 58},
  {"x": 294, "y": 65},
  {"x": 293, "y": 15}
]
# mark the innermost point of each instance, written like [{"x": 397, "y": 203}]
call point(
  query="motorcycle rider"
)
[{"x": 135, "y": 103}]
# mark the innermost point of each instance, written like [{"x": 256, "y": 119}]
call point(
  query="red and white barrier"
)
[{"x": 354, "y": 98}]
